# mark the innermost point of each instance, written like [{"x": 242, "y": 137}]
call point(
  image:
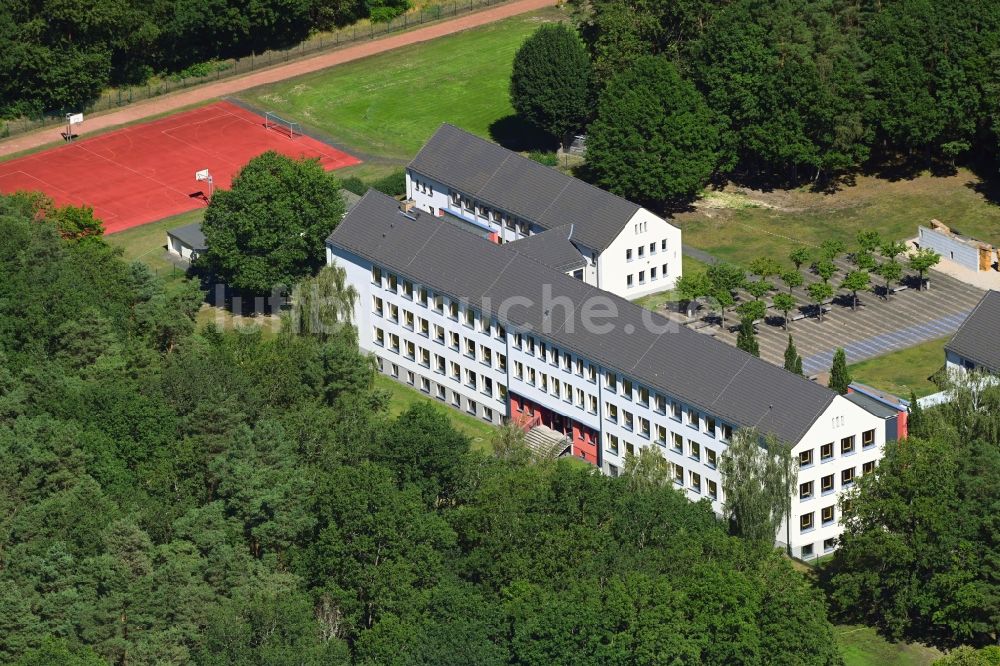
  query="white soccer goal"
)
[{"x": 289, "y": 128}]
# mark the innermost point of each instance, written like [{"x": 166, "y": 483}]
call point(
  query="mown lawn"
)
[
  {"x": 148, "y": 243},
  {"x": 401, "y": 397},
  {"x": 862, "y": 646},
  {"x": 389, "y": 104},
  {"x": 748, "y": 224},
  {"x": 904, "y": 370}
]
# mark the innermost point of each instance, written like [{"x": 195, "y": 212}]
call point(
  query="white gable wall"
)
[{"x": 614, "y": 265}]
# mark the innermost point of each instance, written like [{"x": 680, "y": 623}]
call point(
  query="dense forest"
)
[
  {"x": 785, "y": 92},
  {"x": 58, "y": 55},
  {"x": 177, "y": 496}
]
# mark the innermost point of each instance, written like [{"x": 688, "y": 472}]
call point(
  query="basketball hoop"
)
[
  {"x": 72, "y": 119},
  {"x": 204, "y": 175}
]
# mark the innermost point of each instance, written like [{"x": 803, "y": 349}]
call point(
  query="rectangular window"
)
[
  {"x": 470, "y": 318},
  {"x": 613, "y": 444},
  {"x": 710, "y": 426},
  {"x": 456, "y": 340},
  {"x": 661, "y": 435},
  {"x": 567, "y": 392},
  {"x": 439, "y": 364},
  {"x": 642, "y": 277},
  {"x": 408, "y": 289},
  {"x": 441, "y": 393},
  {"x": 425, "y": 385},
  {"x": 847, "y": 476},
  {"x": 377, "y": 305},
  {"x": 694, "y": 450},
  {"x": 661, "y": 405},
  {"x": 470, "y": 379},
  {"x": 663, "y": 244},
  {"x": 410, "y": 350},
  {"x": 501, "y": 392},
  {"x": 592, "y": 374},
  {"x": 422, "y": 297},
  {"x": 472, "y": 407},
  {"x": 807, "y": 550},
  {"x": 710, "y": 458},
  {"x": 628, "y": 254},
  {"x": 612, "y": 382},
  {"x": 612, "y": 411},
  {"x": 675, "y": 410},
  {"x": 408, "y": 319},
  {"x": 867, "y": 439},
  {"x": 829, "y": 544},
  {"x": 642, "y": 253},
  {"x": 425, "y": 327},
  {"x": 531, "y": 345},
  {"x": 487, "y": 414},
  {"x": 826, "y": 451},
  {"x": 713, "y": 489},
  {"x": 826, "y": 484},
  {"x": 806, "y": 522},
  {"x": 379, "y": 337},
  {"x": 580, "y": 398},
  {"x": 847, "y": 445},
  {"x": 644, "y": 427},
  {"x": 628, "y": 420},
  {"x": 627, "y": 388},
  {"x": 531, "y": 376},
  {"x": 652, "y": 248},
  {"x": 456, "y": 371},
  {"x": 692, "y": 417},
  {"x": 827, "y": 515},
  {"x": 663, "y": 270},
  {"x": 678, "y": 443},
  {"x": 593, "y": 404},
  {"x": 628, "y": 280},
  {"x": 439, "y": 303},
  {"x": 629, "y": 449},
  {"x": 470, "y": 348},
  {"x": 727, "y": 433},
  {"x": 518, "y": 370},
  {"x": 487, "y": 386},
  {"x": 409, "y": 377},
  {"x": 678, "y": 474},
  {"x": 393, "y": 283},
  {"x": 486, "y": 355},
  {"x": 805, "y": 490},
  {"x": 695, "y": 482},
  {"x": 453, "y": 310},
  {"x": 579, "y": 367},
  {"x": 652, "y": 273},
  {"x": 439, "y": 333},
  {"x": 806, "y": 458},
  {"x": 868, "y": 467},
  {"x": 394, "y": 312},
  {"x": 377, "y": 275},
  {"x": 425, "y": 358}
]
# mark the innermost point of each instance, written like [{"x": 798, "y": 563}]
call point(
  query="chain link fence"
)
[{"x": 224, "y": 69}]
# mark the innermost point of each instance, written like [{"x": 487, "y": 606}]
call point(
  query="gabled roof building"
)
[
  {"x": 506, "y": 331},
  {"x": 618, "y": 245},
  {"x": 976, "y": 343}
]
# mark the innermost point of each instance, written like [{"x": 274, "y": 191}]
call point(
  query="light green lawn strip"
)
[
  {"x": 901, "y": 371},
  {"x": 862, "y": 646},
  {"x": 390, "y": 104}
]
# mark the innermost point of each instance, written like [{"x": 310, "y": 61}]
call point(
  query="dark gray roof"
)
[
  {"x": 552, "y": 248},
  {"x": 692, "y": 367},
  {"x": 871, "y": 405},
  {"x": 978, "y": 338},
  {"x": 190, "y": 235},
  {"x": 506, "y": 180}
]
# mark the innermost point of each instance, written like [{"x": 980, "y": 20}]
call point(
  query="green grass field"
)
[
  {"x": 861, "y": 646},
  {"x": 654, "y": 301},
  {"x": 148, "y": 243},
  {"x": 388, "y": 105},
  {"x": 904, "y": 370},
  {"x": 401, "y": 397},
  {"x": 749, "y": 224}
]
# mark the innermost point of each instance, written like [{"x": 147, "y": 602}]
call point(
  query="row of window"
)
[
  {"x": 551, "y": 385},
  {"x": 654, "y": 275},
  {"x": 640, "y": 252},
  {"x": 693, "y": 450},
  {"x": 828, "y": 546},
  {"x": 441, "y": 365},
  {"x": 807, "y": 489},
  {"x": 440, "y": 304},
  {"x": 486, "y": 212},
  {"x": 847, "y": 447},
  {"x": 707, "y": 425},
  {"x": 550, "y": 354},
  {"x": 441, "y": 393}
]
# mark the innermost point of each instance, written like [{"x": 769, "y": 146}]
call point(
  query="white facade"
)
[
  {"x": 452, "y": 353},
  {"x": 842, "y": 445},
  {"x": 179, "y": 248},
  {"x": 644, "y": 258}
]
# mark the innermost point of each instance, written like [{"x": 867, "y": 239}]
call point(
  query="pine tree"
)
[
  {"x": 791, "y": 355},
  {"x": 839, "y": 377},
  {"x": 798, "y": 365},
  {"x": 915, "y": 421},
  {"x": 746, "y": 339}
]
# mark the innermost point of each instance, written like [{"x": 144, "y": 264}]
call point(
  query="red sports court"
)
[{"x": 146, "y": 172}]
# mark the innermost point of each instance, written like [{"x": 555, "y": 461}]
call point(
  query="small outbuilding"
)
[{"x": 186, "y": 242}]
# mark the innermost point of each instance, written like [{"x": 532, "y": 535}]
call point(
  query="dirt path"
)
[{"x": 157, "y": 105}]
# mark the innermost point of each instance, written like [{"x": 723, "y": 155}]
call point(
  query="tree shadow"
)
[{"x": 515, "y": 133}]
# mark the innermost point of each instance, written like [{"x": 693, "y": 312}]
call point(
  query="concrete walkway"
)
[{"x": 209, "y": 91}]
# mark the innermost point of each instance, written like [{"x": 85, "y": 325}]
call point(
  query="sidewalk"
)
[{"x": 209, "y": 91}]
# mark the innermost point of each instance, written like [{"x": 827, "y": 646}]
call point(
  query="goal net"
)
[{"x": 289, "y": 128}]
